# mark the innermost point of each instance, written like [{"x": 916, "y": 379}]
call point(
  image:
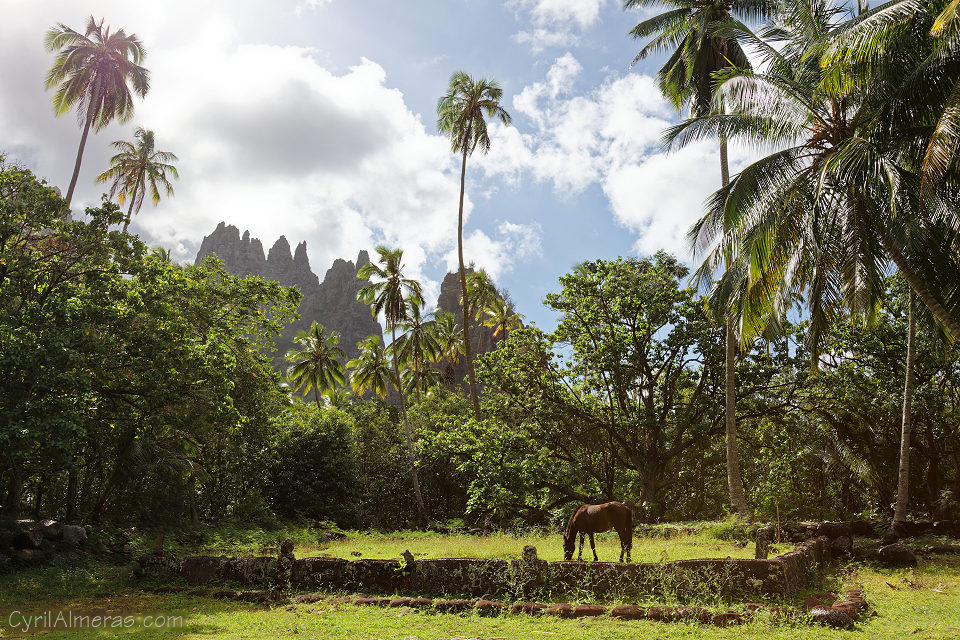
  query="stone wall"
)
[{"x": 524, "y": 578}]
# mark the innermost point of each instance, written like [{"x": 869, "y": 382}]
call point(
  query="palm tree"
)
[
  {"x": 450, "y": 338},
  {"x": 819, "y": 219},
  {"x": 316, "y": 362},
  {"x": 397, "y": 297},
  {"x": 417, "y": 346},
  {"x": 903, "y": 473},
  {"x": 480, "y": 291},
  {"x": 693, "y": 31},
  {"x": 460, "y": 115},
  {"x": 139, "y": 168},
  {"x": 500, "y": 315},
  {"x": 92, "y": 71},
  {"x": 371, "y": 370},
  {"x": 337, "y": 398}
]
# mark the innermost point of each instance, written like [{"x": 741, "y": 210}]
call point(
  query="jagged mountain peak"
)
[{"x": 332, "y": 302}]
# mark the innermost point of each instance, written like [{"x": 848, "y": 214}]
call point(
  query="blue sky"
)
[{"x": 316, "y": 120}]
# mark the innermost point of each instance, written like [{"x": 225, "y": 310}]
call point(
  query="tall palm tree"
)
[
  {"x": 92, "y": 71},
  {"x": 819, "y": 219},
  {"x": 417, "y": 347},
  {"x": 460, "y": 115},
  {"x": 450, "y": 338},
  {"x": 694, "y": 33},
  {"x": 371, "y": 370},
  {"x": 903, "y": 473},
  {"x": 316, "y": 362},
  {"x": 138, "y": 168},
  {"x": 500, "y": 315},
  {"x": 398, "y": 298}
]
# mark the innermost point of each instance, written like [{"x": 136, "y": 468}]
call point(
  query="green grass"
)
[
  {"x": 508, "y": 547},
  {"x": 923, "y": 603}
]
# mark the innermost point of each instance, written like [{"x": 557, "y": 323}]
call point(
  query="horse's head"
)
[{"x": 569, "y": 544}]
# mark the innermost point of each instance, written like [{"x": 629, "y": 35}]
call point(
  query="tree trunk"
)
[
  {"x": 133, "y": 197},
  {"x": 316, "y": 396},
  {"x": 738, "y": 498},
  {"x": 11, "y": 506},
  {"x": 76, "y": 166},
  {"x": 69, "y": 512},
  {"x": 468, "y": 350},
  {"x": 421, "y": 509},
  {"x": 194, "y": 515},
  {"x": 934, "y": 483},
  {"x": 903, "y": 479},
  {"x": 920, "y": 288},
  {"x": 38, "y": 499}
]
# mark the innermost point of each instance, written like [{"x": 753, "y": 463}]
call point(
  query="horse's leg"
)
[
  {"x": 580, "y": 555},
  {"x": 593, "y": 548},
  {"x": 625, "y": 543}
]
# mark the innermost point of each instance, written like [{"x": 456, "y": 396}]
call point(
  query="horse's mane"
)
[{"x": 569, "y": 530}]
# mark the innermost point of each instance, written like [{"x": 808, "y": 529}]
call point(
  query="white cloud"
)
[
  {"x": 268, "y": 138},
  {"x": 310, "y": 4},
  {"x": 610, "y": 136},
  {"x": 514, "y": 243},
  {"x": 556, "y": 23}
]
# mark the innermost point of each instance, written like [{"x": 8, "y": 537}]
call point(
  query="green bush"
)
[{"x": 313, "y": 470}]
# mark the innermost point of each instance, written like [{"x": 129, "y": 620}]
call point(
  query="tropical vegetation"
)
[{"x": 806, "y": 367}]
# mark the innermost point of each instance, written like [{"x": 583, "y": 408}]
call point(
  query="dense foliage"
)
[{"x": 140, "y": 391}]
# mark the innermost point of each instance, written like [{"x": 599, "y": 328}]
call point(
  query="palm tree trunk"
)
[
  {"x": 406, "y": 426},
  {"x": 468, "y": 350},
  {"x": 133, "y": 197},
  {"x": 903, "y": 479},
  {"x": 76, "y": 166},
  {"x": 316, "y": 396},
  {"x": 920, "y": 288},
  {"x": 738, "y": 498}
]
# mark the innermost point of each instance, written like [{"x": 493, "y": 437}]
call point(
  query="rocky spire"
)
[{"x": 332, "y": 303}]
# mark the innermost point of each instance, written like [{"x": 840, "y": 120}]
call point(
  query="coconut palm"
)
[
  {"x": 450, "y": 338},
  {"x": 371, "y": 370},
  {"x": 480, "y": 291},
  {"x": 316, "y": 362},
  {"x": 337, "y": 398},
  {"x": 92, "y": 71},
  {"x": 903, "y": 472},
  {"x": 500, "y": 315},
  {"x": 461, "y": 116},
  {"x": 417, "y": 347},
  {"x": 819, "y": 219},
  {"x": 138, "y": 168},
  {"x": 398, "y": 298},
  {"x": 697, "y": 35},
  {"x": 930, "y": 94}
]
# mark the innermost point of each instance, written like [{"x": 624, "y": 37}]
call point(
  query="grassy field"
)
[
  {"x": 923, "y": 603},
  {"x": 507, "y": 547},
  {"x": 716, "y": 540}
]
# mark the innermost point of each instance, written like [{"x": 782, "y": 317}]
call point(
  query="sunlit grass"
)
[
  {"x": 509, "y": 547},
  {"x": 921, "y": 603}
]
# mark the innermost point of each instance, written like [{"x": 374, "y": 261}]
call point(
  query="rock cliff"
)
[
  {"x": 332, "y": 303},
  {"x": 481, "y": 337}
]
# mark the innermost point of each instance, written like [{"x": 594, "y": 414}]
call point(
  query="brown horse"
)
[{"x": 597, "y": 518}]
